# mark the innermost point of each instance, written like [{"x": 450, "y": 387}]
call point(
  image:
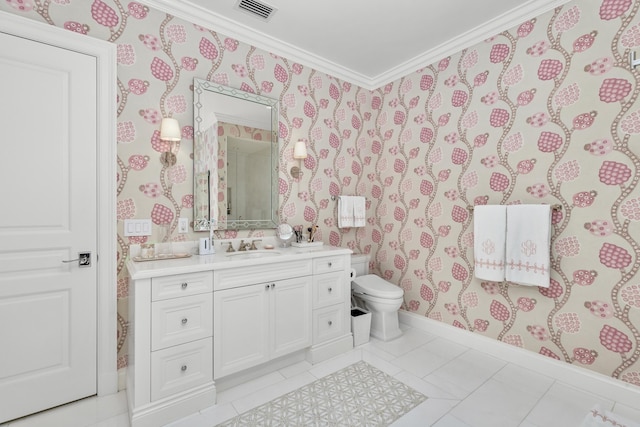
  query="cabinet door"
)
[
  {"x": 290, "y": 315},
  {"x": 241, "y": 329}
]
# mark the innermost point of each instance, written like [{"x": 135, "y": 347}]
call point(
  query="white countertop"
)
[{"x": 222, "y": 260}]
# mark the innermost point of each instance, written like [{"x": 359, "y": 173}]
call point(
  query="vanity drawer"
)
[
  {"x": 180, "y": 368},
  {"x": 328, "y": 323},
  {"x": 251, "y": 275},
  {"x": 180, "y": 320},
  {"x": 330, "y": 264},
  {"x": 180, "y": 285},
  {"x": 328, "y": 289}
]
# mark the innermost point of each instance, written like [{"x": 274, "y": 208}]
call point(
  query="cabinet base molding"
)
[
  {"x": 163, "y": 411},
  {"x": 329, "y": 349},
  {"x": 249, "y": 374}
]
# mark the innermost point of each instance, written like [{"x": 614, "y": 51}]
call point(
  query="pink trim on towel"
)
[
  {"x": 529, "y": 268},
  {"x": 489, "y": 263}
]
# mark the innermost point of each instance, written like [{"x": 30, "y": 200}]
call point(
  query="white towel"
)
[
  {"x": 345, "y": 212},
  {"x": 528, "y": 244},
  {"x": 359, "y": 211},
  {"x": 489, "y": 233}
]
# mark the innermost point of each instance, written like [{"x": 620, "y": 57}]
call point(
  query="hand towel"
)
[
  {"x": 489, "y": 231},
  {"x": 528, "y": 257},
  {"x": 345, "y": 212},
  {"x": 359, "y": 211}
]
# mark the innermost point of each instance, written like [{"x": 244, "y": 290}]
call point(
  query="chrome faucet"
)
[
  {"x": 243, "y": 246},
  {"x": 253, "y": 245}
]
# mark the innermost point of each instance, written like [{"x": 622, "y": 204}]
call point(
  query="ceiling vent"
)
[{"x": 257, "y": 9}]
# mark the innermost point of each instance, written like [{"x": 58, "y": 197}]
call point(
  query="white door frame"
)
[{"x": 105, "y": 54}]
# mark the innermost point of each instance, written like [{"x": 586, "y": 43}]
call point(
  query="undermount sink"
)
[{"x": 254, "y": 254}]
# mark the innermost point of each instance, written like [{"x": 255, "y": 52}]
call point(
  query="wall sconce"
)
[
  {"x": 169, "y": 131},
  {"x": 299, "y": 153}
]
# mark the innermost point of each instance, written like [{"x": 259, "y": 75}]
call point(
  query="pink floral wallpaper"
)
[{"x": 542, "y": 113}]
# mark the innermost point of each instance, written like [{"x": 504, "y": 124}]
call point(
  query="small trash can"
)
[{"x": 360, "y": 326}]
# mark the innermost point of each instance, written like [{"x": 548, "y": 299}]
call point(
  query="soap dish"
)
[{"x": 306, "y": 244}]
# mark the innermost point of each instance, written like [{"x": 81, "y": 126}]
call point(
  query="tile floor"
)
[{"x": 465, "y": 388}]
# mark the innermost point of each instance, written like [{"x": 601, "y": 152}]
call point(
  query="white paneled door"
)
[{"x": 48, "y": 217}]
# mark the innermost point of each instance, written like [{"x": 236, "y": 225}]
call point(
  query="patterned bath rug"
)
[{"x": 358, "y": 395}]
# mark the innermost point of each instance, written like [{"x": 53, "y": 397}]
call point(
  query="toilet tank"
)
[{"x": 360, "y": 263}]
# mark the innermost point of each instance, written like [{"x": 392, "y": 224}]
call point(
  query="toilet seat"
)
[{"x": 373, "y": 285}]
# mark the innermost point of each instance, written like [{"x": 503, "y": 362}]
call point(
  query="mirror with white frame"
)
[{"x": 235, "y": 158}]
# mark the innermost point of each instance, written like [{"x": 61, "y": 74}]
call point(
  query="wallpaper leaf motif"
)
[{"x": 542, "y": 113}]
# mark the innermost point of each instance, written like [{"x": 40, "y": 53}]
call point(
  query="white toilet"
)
[{"x": 381, "y": 298}]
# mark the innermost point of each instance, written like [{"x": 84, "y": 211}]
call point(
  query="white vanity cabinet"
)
[
  {"x": 331, "y": 307},
  {"x": 197, "y": 319},
  {"x": 260, "y": 322},
  {"x": 170, "y": 374},
  {"x": 260, "y": 312}
]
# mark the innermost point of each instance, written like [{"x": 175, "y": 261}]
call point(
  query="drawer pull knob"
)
[
  {"x": 184, "y": 320},
  {"x": 273, "y": 285},
  {"x": 184, "y": 285},
  {"x": 330, "y": 289},
  {"x": 330, "y": 323},
  {"x": 330, "y": 264},
  {"x": 183, "y": 368},
  {"x": 266, "y": 287}
]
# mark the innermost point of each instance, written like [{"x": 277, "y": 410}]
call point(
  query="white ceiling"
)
[{"x": 366, "y": 42}]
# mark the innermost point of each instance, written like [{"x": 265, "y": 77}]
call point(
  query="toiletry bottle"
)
[{"x": 212, "y": 247}]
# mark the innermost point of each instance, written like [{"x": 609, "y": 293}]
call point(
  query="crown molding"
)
[
  {"x": 527, "y": 11},
  {"x": 208, "y": 19},
  {"x": 220, "y": 24}
]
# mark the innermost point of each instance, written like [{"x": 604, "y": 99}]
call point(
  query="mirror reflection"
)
[{"x": 235, "y": 158}]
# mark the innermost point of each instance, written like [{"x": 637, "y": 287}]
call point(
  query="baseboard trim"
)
[
  {"x": 321, "y": 352},
  {"x": 608, "y": 387},
  {"x": 166, "y": 410},
  {"x": 122, "y": 378}
]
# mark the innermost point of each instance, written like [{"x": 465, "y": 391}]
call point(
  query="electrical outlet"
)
[{"x": 183, "y": 225}]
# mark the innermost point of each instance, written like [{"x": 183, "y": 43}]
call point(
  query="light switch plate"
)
[
  {"x": 183, "y": 225},
  {"x": 137, "y": 227}
]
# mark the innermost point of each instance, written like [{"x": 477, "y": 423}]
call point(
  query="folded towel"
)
[
  {"x": 489, "y": 231},
  {"x": 345, "y": 212},
  {"x": 528, "y": 257},
  {"x": 599, "y": 416},
  {"x": 359, "y": 211}
]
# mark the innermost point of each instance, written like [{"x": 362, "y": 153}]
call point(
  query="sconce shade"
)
[
  {"x": 300, "y": 150},
  {"x": 170, "y": 130}
]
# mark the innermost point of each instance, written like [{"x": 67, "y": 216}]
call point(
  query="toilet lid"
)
[{"x": 375, "y": 286}]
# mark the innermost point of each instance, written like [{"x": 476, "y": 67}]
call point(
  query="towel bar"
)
[
  {"x": 554, "y": 207},
  {"x": 334, "y": 198}
]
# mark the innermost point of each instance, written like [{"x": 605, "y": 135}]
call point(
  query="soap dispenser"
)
[{"x": 206, "y": 246}]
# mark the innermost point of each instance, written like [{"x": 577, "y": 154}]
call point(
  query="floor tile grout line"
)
[
  {"x": 538, "y": 401},
  {"x": 460, "y": 401}
]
